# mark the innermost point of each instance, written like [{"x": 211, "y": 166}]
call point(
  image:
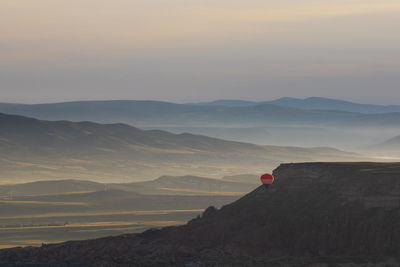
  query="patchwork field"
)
[
  {"x": 52, "y": 228},
  {"x": 55, "y": 211}
]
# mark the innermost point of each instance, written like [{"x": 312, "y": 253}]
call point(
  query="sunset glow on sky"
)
[{"x": 176, "y": 50}]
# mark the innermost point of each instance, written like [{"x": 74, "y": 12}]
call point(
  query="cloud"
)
[{"x": 130, "y": 48}]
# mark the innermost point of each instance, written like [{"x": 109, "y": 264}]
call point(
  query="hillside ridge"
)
[{"x": 341, "y": 211}]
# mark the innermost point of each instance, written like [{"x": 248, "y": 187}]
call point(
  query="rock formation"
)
[{"x": 314, "y": 212}]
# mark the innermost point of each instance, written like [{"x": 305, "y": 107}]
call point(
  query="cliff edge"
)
[{"x": 313, "y": 212}]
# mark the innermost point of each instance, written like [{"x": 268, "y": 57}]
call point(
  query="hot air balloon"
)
[{"x": 267, "y": 179}]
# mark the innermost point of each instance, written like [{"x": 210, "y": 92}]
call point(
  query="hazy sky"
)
[{"x": 192, "y": 50}]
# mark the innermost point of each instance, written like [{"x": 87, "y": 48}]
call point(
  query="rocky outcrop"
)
[
  {"x": 317, "y": 211},
  {"x": 372, "y": 184}
]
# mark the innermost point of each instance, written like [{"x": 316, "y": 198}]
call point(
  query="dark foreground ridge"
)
[{"x": 314, "y": 212}]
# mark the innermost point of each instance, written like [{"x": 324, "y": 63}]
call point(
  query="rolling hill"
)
[
  {"x": 317, "y": 103},
  {"x": 49, "y": 187},
  {"x": 164, "y": 185},
  {"x": 322, "y": 103},
  {"x": 32, "y": 149},
  {"x": 388, "y": 148},
  {"x": 314, "y": 213},
  {"x": 154, "y": 113},
  {"x": 297, "y": 124},
  {"x": 50, "y": 211},
  {"x": 189, "y": 185}
]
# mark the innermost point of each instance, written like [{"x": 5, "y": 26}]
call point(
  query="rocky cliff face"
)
[
  {"x": 344, "y": 211},
  {"x": 372, "y": 184}
]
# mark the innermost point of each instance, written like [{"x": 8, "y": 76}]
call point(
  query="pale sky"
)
[{"x": 192, "y": 50}]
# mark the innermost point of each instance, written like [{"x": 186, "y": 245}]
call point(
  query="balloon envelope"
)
[{"x": 267, "y": 179}]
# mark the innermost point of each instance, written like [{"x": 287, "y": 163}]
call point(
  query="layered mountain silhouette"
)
[
  {"x": 45, "y": 137},
  {"x": 313, "y": 213},
  {"x": 294, "y": 122},
  {"x": 318, "y": 103},
  {"x": 313, "y": 111},
  {"x": 48, "y": 150}
]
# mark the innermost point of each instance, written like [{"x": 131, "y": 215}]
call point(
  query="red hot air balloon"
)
[{"x": 267, "y": 179}]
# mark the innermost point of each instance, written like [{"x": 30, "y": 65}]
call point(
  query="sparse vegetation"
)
[{"x": 315, "y": 214}]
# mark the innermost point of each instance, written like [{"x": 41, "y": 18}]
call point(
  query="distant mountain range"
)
[
  {"x": 314, "y": 214},
  {"x": 152, "y": 113},
  {"x": 317, "y": 103},
  {"x": 48, "y": 150},
  {"x": 285, "y": 122}
]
